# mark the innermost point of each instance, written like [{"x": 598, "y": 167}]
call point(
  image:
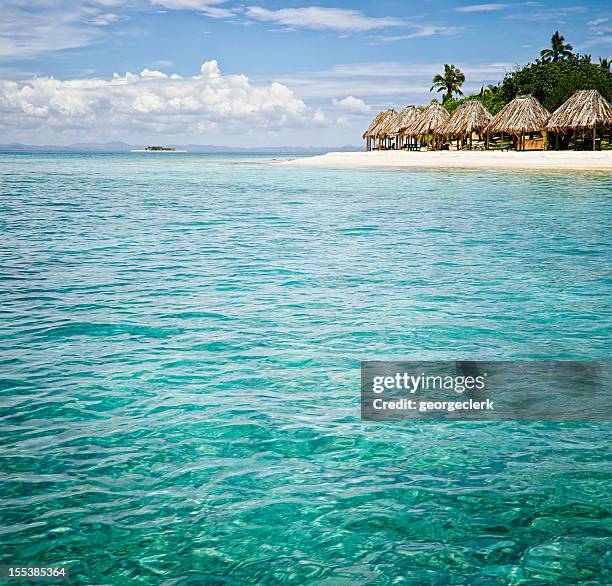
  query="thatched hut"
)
[
  {"x": 403, "y": 120},
  {"x": 470, "y": 117},
  {"x": 523, "y": 115},
  {"x": 387, "y": 132},
  {"x": 429, "y": 121},
  {"x": 585, "y": 110},
  {"x": 377, "y": 132},
  {"x": 367, "y": 135}
]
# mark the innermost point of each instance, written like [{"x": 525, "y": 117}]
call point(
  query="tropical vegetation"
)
[
  {"x": 554, "y": 82},
  {"x": 449, "y": 82},
  {"x": 552, "y": 79},
  {"x": 558, "y": 49}
]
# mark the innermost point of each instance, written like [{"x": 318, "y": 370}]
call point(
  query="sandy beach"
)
[{"x": 549, "y": 160}]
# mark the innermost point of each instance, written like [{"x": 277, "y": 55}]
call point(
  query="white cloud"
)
[
  {"x": 598, "y": 21},
  {"x": 28, "y": 29},
  {"x": 600, "y": 26},
  {"x": 103, "y": 19},
  {"x": 162, "y": 63},
  {"x": 316, "y": 17},
  {"x": 419, "y": 32},
  {"x": 208, "y": 7},
  {"x": 481, "y": 8},
  {"x": 153, "y": 73},
  {"x": 557, "y": 16},
  {"x": 375, "y": 82},
  {"x": 352, "y": 105},
  {"x": 319, "y": 118},
  {"x": 600, "y": 29},
  {"x": 38, "y": 26},
  {"x": 208, "y": 104}
]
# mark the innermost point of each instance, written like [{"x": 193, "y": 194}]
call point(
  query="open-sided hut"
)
[
  {"x": 379, "y": 128},
  {"x": 522, "y": 116},
  {"x": 585, "y": 111},
  {"x": 402, "y": 121},
  {"x": 386, "y": 132},
  {"x": 367, "y": 135},
  {"x": 470, "y": 117},
  {"x": 429, "y": 121}
]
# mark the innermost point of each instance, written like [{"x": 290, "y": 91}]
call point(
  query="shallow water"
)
[{"x": 180, "y": 371}]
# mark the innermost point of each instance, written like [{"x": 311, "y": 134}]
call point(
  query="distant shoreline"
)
[
  {"x": 122, "y": 147},
  {"x": 536, "y": 160}
]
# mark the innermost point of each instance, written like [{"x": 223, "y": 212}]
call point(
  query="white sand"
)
[{"x": 552, "y": 160}]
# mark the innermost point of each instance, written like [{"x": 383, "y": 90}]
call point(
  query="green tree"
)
[
  {"x": 449, "y": 82},
  {"x": 605, "y": 63},
  {"x": 554, "y": 82},
  {"x": 558, "y": 50},
  {"x": 489, "y": 90},
  {"x": 451, "y": 104},
  {"x": 491, "y": 97}
]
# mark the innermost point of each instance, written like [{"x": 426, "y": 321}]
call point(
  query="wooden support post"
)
[{"x": 594, "y": 134}]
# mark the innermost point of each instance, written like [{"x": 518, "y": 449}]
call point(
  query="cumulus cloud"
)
[
  {"x": 317, "y": 17},
  {"x": 319, "y": 118},
  {"x": 209, "y": 103},
  {"x": 352, "y": 105}
]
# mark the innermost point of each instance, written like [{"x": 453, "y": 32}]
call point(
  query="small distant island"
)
[{"x": 157, "y": 149}]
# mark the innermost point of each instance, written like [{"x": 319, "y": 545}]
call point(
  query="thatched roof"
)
[
  {"x": 373, "y": 124},
  {"x": 388, "y": 128},
  {"x": 382, "y": 123},
  {"x": 470, "y": 116},
  {"x": 404, "y": 119},
  {"x": 429, "y": 120},
  {"x": 584, "y": 109},
  {"x": 523, "y": 114}
]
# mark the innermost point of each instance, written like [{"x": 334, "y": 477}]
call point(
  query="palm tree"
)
[
  {"x": 490, "y": 90},
  {"x": 605, "y": 63},
  {"x": 559, "y": 49},
  {"x": 449, "y": 82},
  {"x": 491, "y": 97}
]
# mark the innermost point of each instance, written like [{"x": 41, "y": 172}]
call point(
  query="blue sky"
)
[{"x": 278, "y": 72}]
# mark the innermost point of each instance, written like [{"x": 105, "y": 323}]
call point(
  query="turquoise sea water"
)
[{"x": 179, "y": 393}]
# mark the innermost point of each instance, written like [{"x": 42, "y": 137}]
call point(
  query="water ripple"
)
[{"x": 180, "y": 371}]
